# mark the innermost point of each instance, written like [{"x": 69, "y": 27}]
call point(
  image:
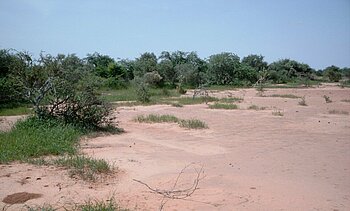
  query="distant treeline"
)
[{"x": 169, "y": 69}]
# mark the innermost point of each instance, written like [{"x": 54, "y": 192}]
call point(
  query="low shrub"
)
[{"x": 193, "y": 124}]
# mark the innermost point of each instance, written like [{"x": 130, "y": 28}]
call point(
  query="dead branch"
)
[{"x": 173, "y": 192}]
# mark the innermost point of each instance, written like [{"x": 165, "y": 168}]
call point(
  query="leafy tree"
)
[
  {"x": 255, "y": 61},
  {"x": 10, "y": 91},
  {"x": 333, "y": 73},
  {"x": 222, "y": 68},
  {"x": 145, "y": 64},
  {"x": 100, "y": 64},
  {"x": 286, "y": 70}
]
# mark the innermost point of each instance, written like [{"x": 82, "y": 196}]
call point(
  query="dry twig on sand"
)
[{"x": 175, "y": 193}]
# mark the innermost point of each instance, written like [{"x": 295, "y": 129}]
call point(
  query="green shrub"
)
[{"x": 193, "y": 124}]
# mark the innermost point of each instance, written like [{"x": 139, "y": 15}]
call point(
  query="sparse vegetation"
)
[
  {"x": 255, "y": 107},
  {"x": 284, "y": 96},
  {"x": 84, "y": 167},
  {"x": 231, "y": 100},
  {"x": 278, "y": 113},
  {"x": 193, "y": 124},
  {"x": 177, "y": 105},
  {"x": 338, "y": 112},
  {"x": 223, "y": 106},
  {"x": 153, "y": 118},
  {"x": 346, "y": 100},
  {"x": 96, "y": 205},
  {"x": 302, "y": 102},
  {"x": 327, "y": 99}
]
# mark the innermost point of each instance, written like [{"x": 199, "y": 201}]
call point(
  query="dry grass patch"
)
[
  {"x": 284, "y": 96},
  {"x": 223, "y": 106},
  {"x": 154, "y": 118},
  {"x": 278, "y": 113},
  {"x": 338, "y": 112},
  {"x": 255, "y": 107}
]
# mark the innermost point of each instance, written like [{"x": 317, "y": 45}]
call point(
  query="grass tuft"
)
[
  {"x": 223, "y": 106},
  {"x": 327, "y": 99},
  {"x": 284, "y": 96},
  {"x": 302, "y": 102},
  {"x": 255, "y": 107},
  {"x": 84, "y": 167},
  {"x": 109, "y": 205},
  {"x": 231, "y": 100},
  {"x": 338, "y": 112},
  {"x": 33, "y": 137},
  {"x": 153, "y": 118},
  {"x": 193, "y": 124},
  {"x": 346, "y": 100},
  {"x": 277, "y": 113},
  {"x": 156, "y": 118},
  {"x": 178, "y": 105}
]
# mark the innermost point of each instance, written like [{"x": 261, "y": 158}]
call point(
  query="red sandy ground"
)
[{"x": 252, "y": 159}]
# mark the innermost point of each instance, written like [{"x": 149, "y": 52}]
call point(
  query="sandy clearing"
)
[{"x": 252, "y": 159}]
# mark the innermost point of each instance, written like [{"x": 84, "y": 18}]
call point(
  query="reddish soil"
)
[{"x": 252, "y": 160}]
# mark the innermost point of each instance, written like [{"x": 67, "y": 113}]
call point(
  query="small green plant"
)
[
  {"x": 156, "y": 118},
  {"x": 41, "y": 208},
  {"x": 84, "y": 167},
  {"x": 193, "y": 124},
  {"x": 223, "y": 106},
  {"x": 338, "y": 112},
  {"x": 277, "y": 113},
  {"x": 109, "y": 205},
  {"x": 327, "y": 99},
  {"x": 302, "y": 102},
  {"x": 284, "y": 96},
  {"x": 153, "y": 118}
]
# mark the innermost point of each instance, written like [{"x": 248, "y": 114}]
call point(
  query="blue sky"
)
[{"x": 316, "y": 32}]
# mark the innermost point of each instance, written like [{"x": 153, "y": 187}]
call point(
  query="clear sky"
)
[{"x": 316, "y": 32}]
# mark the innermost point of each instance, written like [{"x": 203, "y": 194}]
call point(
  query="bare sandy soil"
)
[{"x": 252, "y": 160}]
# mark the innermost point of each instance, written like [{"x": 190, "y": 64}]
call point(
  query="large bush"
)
[{"x": 63, "y": 87}]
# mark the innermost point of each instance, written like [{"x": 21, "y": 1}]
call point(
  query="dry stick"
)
[{"x": 173, "y": 193}]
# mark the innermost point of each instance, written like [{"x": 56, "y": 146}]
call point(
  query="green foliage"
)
[
  {"x": 255, "y": 61},
  {"x": 142, "y": 90},
  {"x": 287, "y": 70},
  {"x": 154, "y": 118},
  {"x": 223, "y": 106},
  {"x": 193, "y": 124},
  {"x": 284, "y": 96},
  {"x": 109, "y": 205},
  {"x": 84, "y": 167},
  {"x": 34, "y": 138},
  {"x": 17, "y": 110},
  {"x": 222, "y": 68},
  {"x": 65, "y": 88},
  {"x": 177, "y": 105},
  {"x": 333, "y": 73},
  {"x": 146, "y": 63}
]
